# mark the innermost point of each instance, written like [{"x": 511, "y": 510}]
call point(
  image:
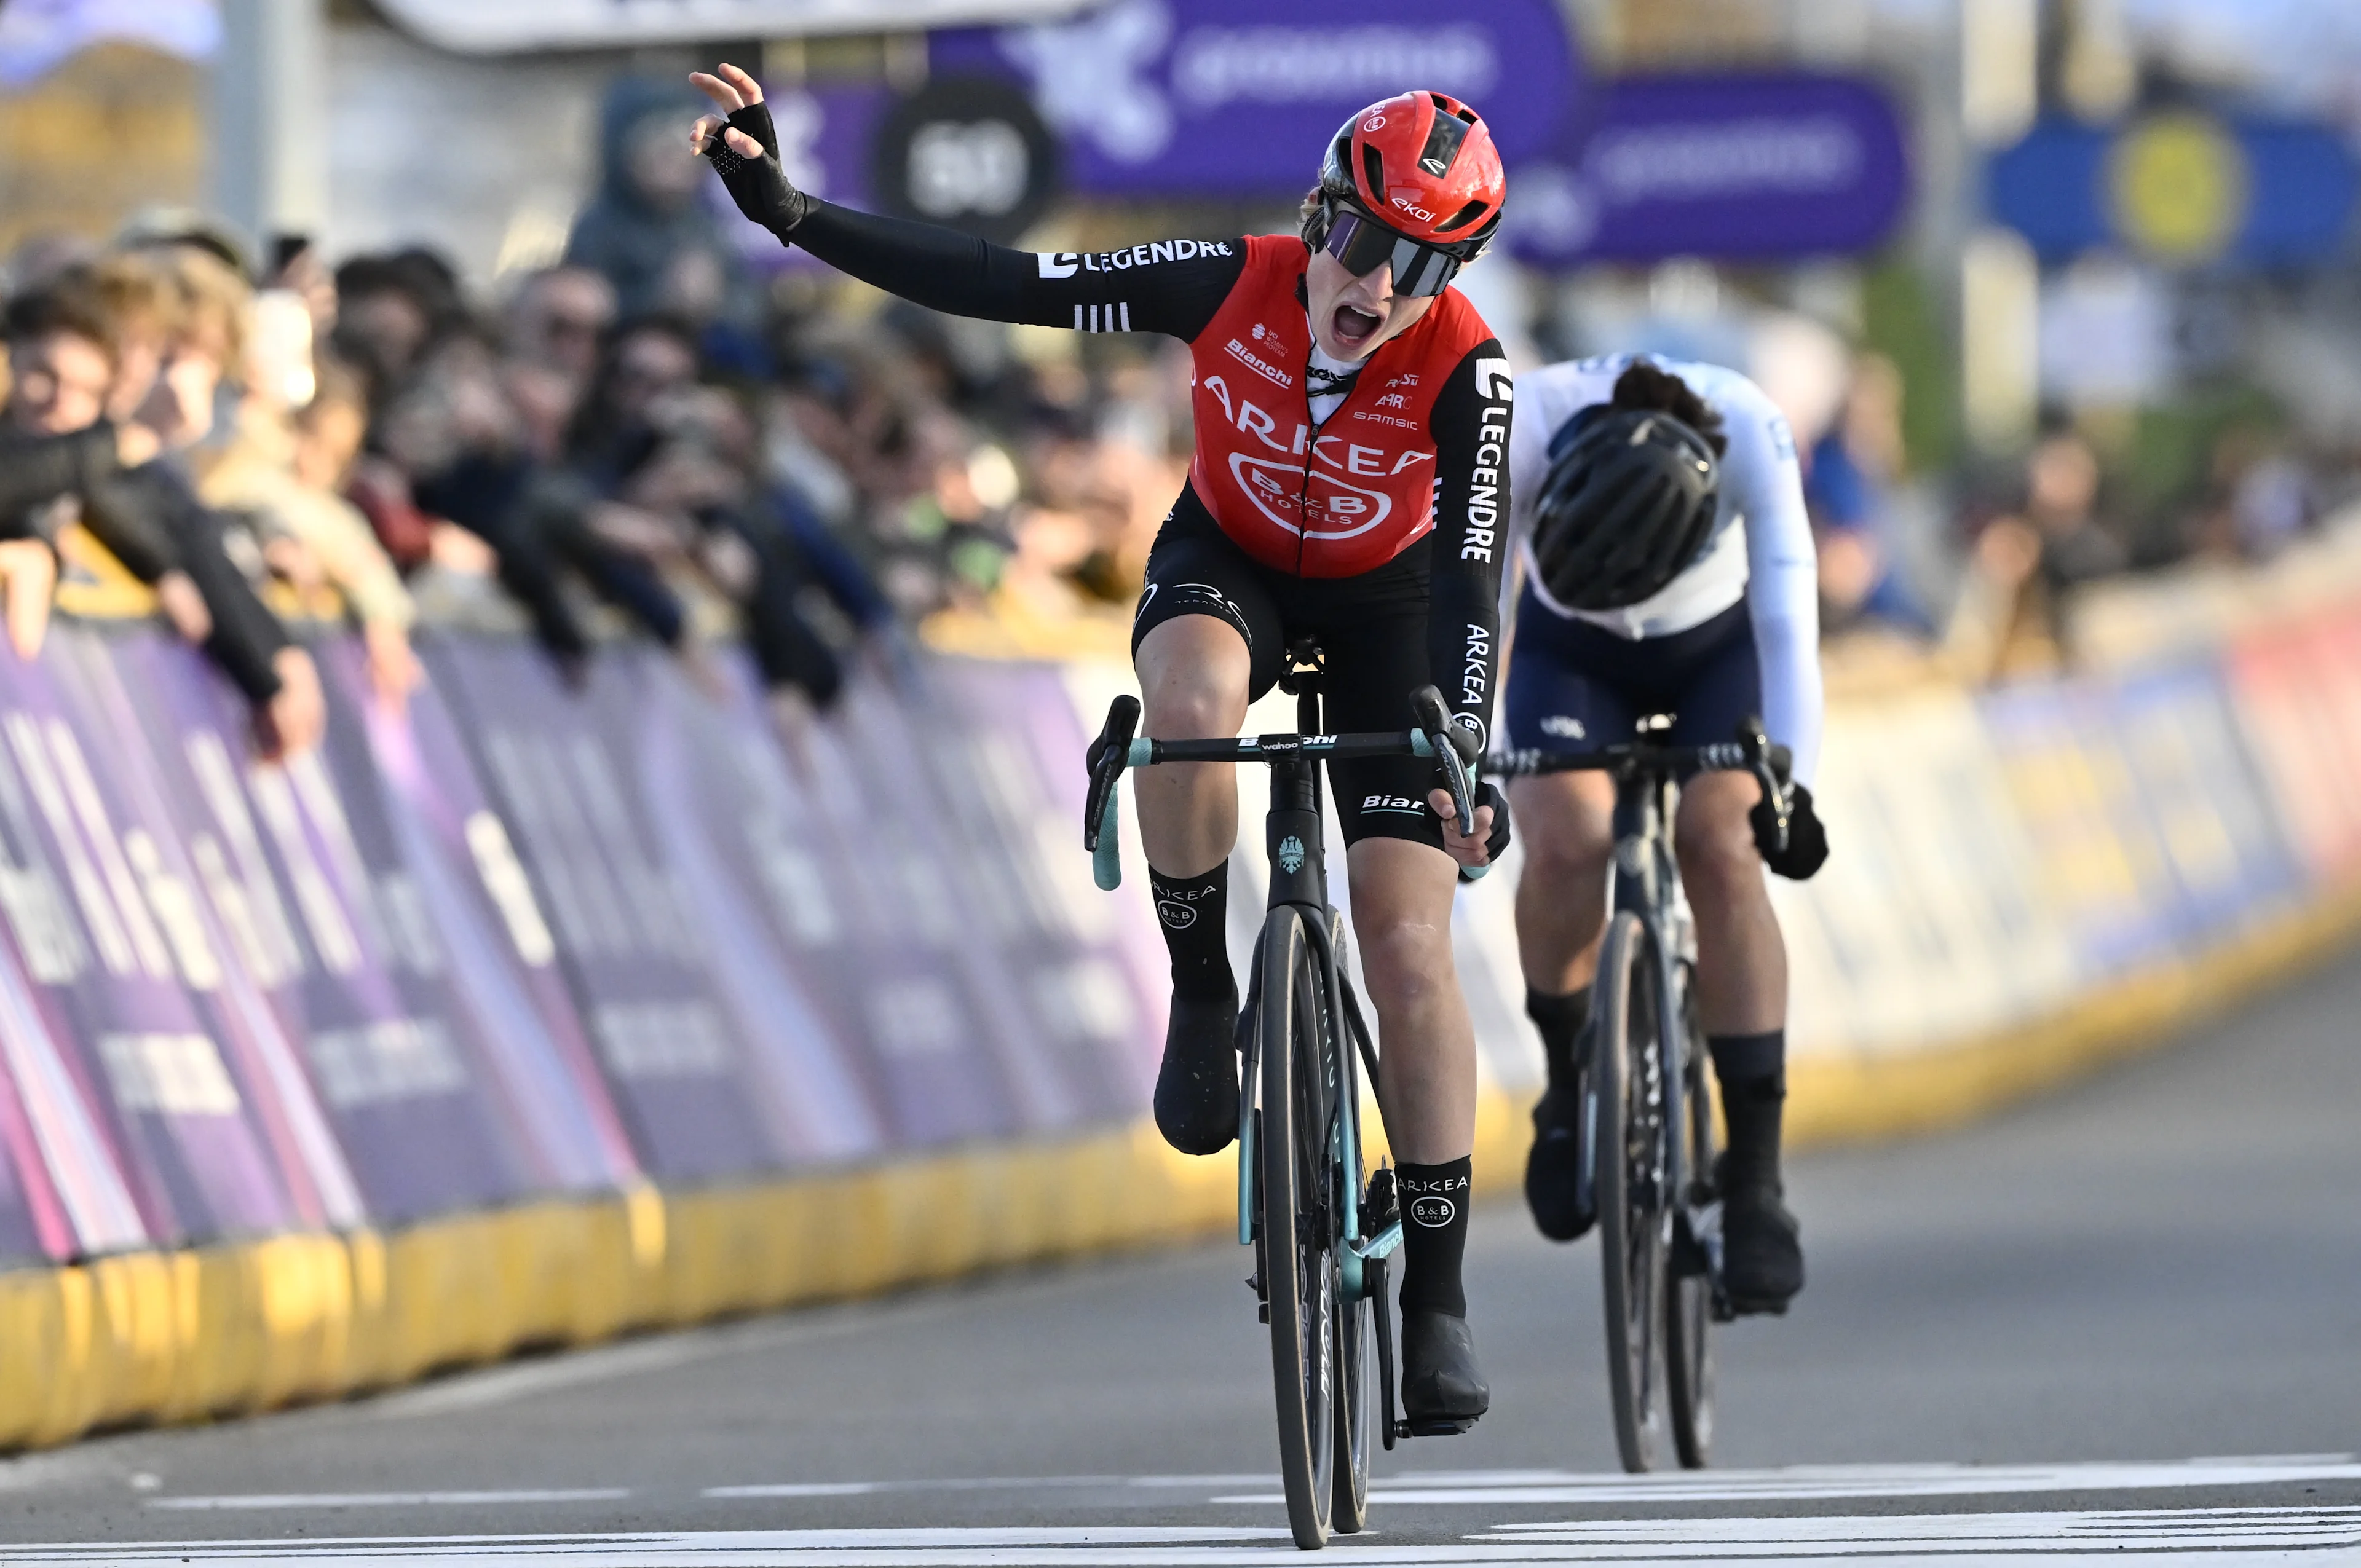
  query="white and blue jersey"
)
[{"x": 1735, "y": 635}]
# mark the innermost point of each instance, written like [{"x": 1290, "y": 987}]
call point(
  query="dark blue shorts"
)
[{"x": 1574, "y": 685}]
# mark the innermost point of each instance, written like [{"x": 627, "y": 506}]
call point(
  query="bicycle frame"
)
[
  {"x": 1295, "y": 841},
  {"x": 1644, "y": 879}
]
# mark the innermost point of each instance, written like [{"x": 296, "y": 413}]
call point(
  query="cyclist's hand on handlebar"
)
[
  {"x": 1490, "y": 840},
  {"x": 744, "y": 150},
  {"x": 1808, "y": 840}
]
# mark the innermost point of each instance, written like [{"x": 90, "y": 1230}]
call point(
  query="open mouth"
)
[{"x": 1353, "y": 327}]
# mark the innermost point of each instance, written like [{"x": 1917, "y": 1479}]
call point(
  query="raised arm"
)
[{"x": 1172, "y": 286}]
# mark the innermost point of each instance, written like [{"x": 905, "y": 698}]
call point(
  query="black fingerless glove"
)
[
  {"x": 1808, "y": 841},
  {"x": 759, "y": 186},
  {"x": 1496, "y": 842}
]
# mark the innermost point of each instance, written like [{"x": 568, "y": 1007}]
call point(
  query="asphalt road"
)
[{"x": 2018, "y": 1340}]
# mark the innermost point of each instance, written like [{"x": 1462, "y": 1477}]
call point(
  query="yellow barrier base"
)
[{"x": 231, "y": 1329}]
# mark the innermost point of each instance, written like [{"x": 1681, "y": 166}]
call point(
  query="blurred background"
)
[
  {"x": 2058, "y": 295},
  {"x": 668, "y": 662}
]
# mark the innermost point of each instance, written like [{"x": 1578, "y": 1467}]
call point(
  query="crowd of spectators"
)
[{"x": 649, "y": 436}]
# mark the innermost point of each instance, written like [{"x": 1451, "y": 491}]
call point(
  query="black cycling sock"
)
[
  {"x": 1435, "y": 1234},
  {"x": 1753, "y": 1072},
  {"x": 1560, "y": 1019},
  {"x": 1195, "y": 913}
]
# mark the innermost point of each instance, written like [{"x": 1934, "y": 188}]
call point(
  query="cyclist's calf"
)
[{"x": 1565, "y": 822}]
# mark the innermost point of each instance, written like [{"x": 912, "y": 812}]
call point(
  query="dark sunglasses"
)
[{"x": 1361, "y": 244}]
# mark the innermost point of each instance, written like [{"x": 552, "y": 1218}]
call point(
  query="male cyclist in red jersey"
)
[{"x": 1350, "y": 481}]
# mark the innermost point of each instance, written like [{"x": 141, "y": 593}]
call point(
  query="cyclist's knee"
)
[
  {"x": 1715, "y": 849},
  {"x": 1193, "y": 675},
  {"x": 1404, "y": 961},
  {"x": 1567, "y": 838}
]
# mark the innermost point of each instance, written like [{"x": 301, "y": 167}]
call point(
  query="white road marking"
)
[
  {"x": 2213, "y": 1538},
  {"x": 983, "y": 1483},
  {"x": 391, "y": 1500},
  {"x": 1804, "y": 1483}
]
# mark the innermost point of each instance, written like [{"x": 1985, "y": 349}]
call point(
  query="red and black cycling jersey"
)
[{"x": 1418, "y": 446}]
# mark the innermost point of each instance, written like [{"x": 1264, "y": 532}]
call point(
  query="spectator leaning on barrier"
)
[{"x": 66, "y": 373}]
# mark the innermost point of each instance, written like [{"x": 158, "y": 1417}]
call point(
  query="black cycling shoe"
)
[
  {"x": 1553, "y": 1170},
  {"x": 1762, "y": 1254},
  {"x": 1197, "y": 1087},
  {"x": 1443, "y": 1390}
]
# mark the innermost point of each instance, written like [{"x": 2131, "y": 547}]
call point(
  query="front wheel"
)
[
  {"x": 1634, "y": 1211},
  {"x": 1299, "y": 1224}
]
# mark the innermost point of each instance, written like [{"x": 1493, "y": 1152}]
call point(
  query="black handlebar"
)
[
  {"x": 1118, "y": 747},
  {"x": 1753, "y": 752}
]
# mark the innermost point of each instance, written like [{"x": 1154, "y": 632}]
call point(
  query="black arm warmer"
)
[
  {"x": 35, "y": 470},
  {"x": 1471, "y": 510},
  {"x": 1171, "y": 286},
  {"x": 247, "y": 637}
]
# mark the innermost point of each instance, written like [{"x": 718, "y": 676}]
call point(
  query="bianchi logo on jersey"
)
[
  {"x": 1399, "y": 803},
  {"x": 1256, "y": 363}
]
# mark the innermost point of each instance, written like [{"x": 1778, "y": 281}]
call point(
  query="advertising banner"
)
[
  {"x": 2180, "y": 187},
  {"x": 1925, "y": 923},
  {"x": 733, "y": 831},
  {"x": 1234, "y": 98},
  {"x": 503, "y": 968},
  {"x": 2203, "y": 798},
  {"x": 1739, "y": 166},
  {"x": 335, "y": 931},
  {"x": 698, "y": 1108},
  {"x": 2097, "y": 863},
  {"x": 106, "y": 926},
  {"x": 488, "y": 26},
  {"x": 1012, "y": 775},
  {"x": 2297, "y": 693}
]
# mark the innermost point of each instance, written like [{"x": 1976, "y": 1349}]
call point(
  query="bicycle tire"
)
[
  {"x": 1688, "y": 1294},
  {"x": 1628, "y": 1154},
  {"x": 1356, "y": 1390},
  {"x": 1299, "y": 1226}
]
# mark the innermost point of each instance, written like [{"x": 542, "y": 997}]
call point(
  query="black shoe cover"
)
[
  {"x": 1553, "y": 1170},
  {"x": 1442, "y": 1387},
  {"x": 1762, "y": 1256},
  {"x": 1197, "y": 1088}
]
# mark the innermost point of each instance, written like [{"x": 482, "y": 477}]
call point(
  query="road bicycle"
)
[
  {"x": 1647, "y": 1102},
  {"x": 1321, "y": 1230}
]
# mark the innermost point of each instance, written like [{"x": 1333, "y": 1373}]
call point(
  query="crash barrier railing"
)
[{"x": 527, "y": 1015}]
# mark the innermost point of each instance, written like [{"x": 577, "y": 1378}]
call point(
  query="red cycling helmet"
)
[{"x": 1423, "y": 166}]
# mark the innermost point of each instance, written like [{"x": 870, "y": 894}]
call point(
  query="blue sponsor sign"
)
[
  {"x": 1739, "y": 166},
  {"x": 2179, "y": 188},
  {"x": 1239, "y": 97}
]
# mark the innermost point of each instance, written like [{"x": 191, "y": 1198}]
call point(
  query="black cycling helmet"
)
[{"x": 1628, "y": 501}]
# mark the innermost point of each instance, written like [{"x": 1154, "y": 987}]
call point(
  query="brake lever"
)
[
  {"x": 1454, "y": 748},
  {"x": 1106, "y": 756},
  {"x": 1770, "y": 766}
]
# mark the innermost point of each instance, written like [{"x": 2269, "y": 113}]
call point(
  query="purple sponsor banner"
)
[
  {"x": 502, "y": 963},
  {"x": 1240, "y": 98},
  {"x": 731, "y": 830},
  {"x": 698, "y": 1108},
  {"x": 331, "y": 928},
  {"x": 109, "y": 930},
  {"x": 1736, "y": 166},
  {"x": 943, "y": 1011},
  {"x": 1010, "y": 771}
]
